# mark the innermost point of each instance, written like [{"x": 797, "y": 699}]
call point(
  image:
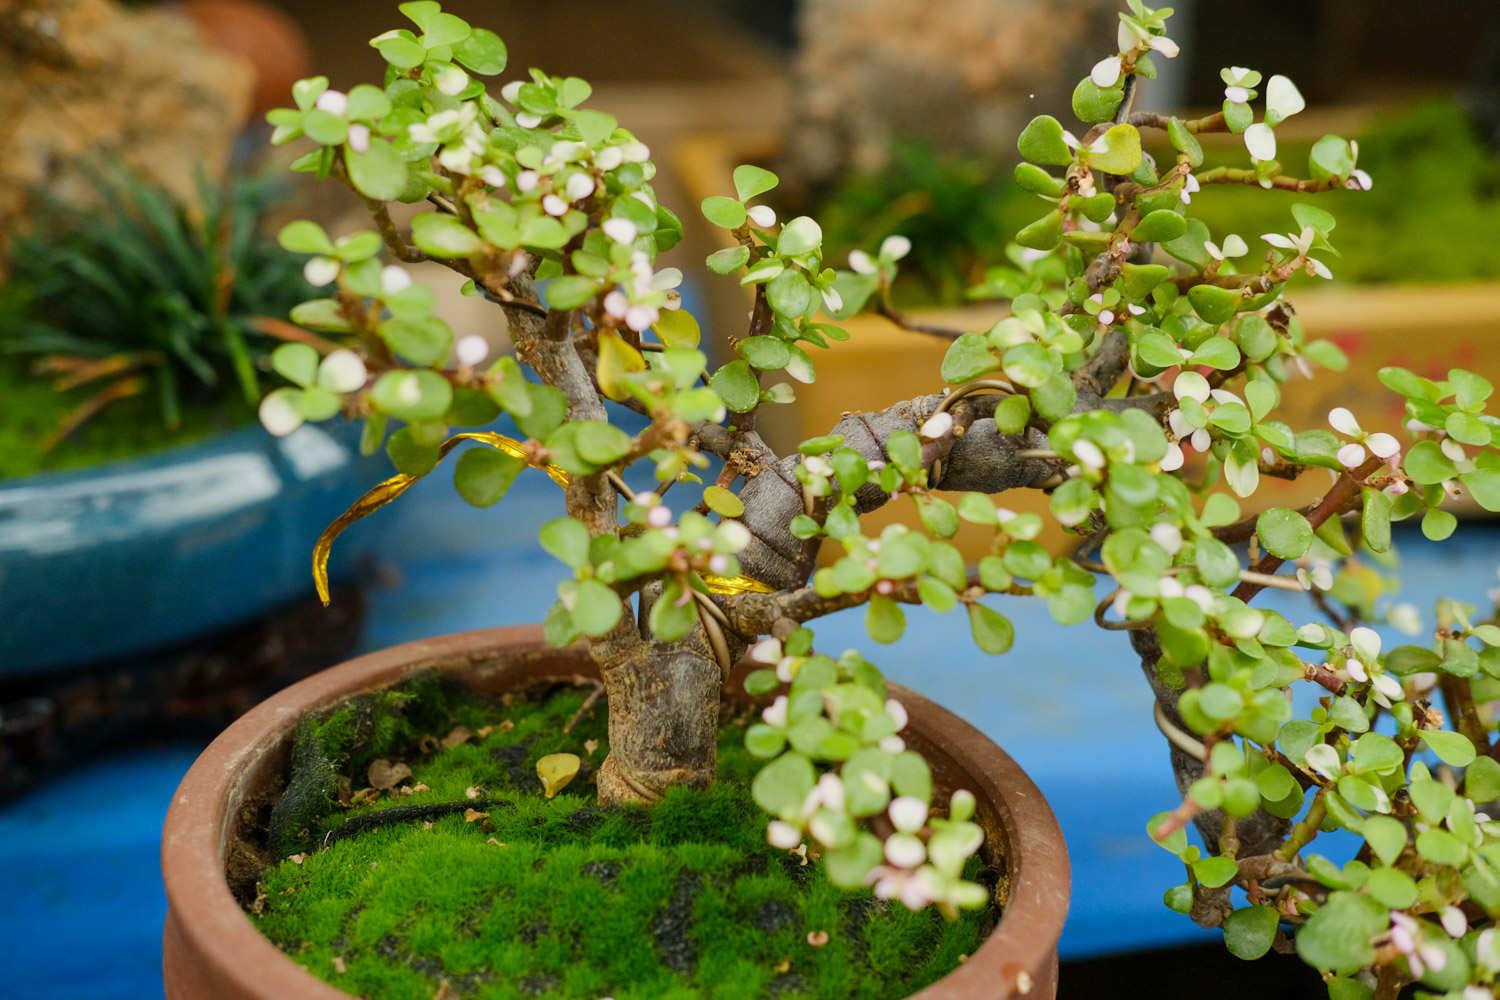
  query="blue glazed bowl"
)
[{"x": 123, "y": 557}]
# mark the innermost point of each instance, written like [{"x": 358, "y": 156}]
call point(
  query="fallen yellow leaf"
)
[{"x": 556, "y": 770}]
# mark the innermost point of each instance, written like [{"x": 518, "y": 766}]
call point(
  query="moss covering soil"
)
[
  {"x": 479, "y": 886},
  {"x": 124, "y": 429}
]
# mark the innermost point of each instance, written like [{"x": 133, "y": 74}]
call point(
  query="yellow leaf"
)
[
  {"x": 677, "y": 328},
  {"x": 556, "y": 770},
  {"x": 616, "y": 360}
]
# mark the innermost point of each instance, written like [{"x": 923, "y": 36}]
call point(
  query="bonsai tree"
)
[{"x": 1135, "y": 382}]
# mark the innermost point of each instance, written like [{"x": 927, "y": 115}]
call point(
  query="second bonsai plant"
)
[{"x": 1126, "y": 390}]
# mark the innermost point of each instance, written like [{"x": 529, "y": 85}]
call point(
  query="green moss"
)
[
  {"x": 125, "y": 429},
  {"x": 563, "y": 897}
]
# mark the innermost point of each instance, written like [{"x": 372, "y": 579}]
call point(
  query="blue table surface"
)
[{"x": 83, "y": 904}]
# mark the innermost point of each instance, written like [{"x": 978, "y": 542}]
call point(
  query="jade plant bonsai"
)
[{"x": 1138, "y": 393}]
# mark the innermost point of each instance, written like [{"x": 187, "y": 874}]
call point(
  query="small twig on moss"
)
[
  {"x": 366, "y": 822},
  {"x": 588, "y": 703}
]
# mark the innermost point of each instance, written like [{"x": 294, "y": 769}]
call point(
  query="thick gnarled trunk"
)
[{"x": 663, "y": 717}]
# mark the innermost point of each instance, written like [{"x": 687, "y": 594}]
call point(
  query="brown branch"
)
[{"x": 1241, "y": 175}]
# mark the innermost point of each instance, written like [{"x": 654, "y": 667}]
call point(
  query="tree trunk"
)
[{"x": 663, "y": 716}]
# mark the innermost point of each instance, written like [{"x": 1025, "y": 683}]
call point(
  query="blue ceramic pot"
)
[{"x": 120, "y": 558}]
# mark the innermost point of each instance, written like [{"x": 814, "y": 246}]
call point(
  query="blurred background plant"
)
[
  {"x": 1431, "y": 217},
  {"x": 141, "y": 317}
]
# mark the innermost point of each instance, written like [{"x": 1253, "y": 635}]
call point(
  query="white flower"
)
[
  {"x": 1233, "y": 246},
  {"x": 904, "y": 850},
  {"x": 278, "y": 414},
  {"x": 659, "y": 516},
  {"x": 860, "y": 262},
  {"x": 1088, "y": 453},
  {"x": 1357, "y": 672},
  {"x": 553, "y": 205},
  {"x": 394, "y": 279},
  {"x": 1390, "y": 687},
  {"x": 526, "y": 180},
  {"x": 335, "y": 102},
  {"x": 1454, "y": 921},
  {"x": 908, "y": 813},
  {"x": 894, "y": 247},
  {"x": 1260, "y": 141},
  {"x": 526, "y": 119},
  {"x": 1301, "y": 242},
  {"x": 775, "y": 713},
  {"x": 897, "y": 712},
  {"x": 1343, "y": 421},
  {"x": 1236, "y": 95},
  {"x": 1351, "y": 456},
  {"x": 579, "y": 187},
  {"x": 1190, "y": 187},
  {"x": 763, "y": 216},
  {"x": 1383, "y": 445},
  {"x": 1106, "y": 71},
  {"x": 830, "y": 789},
  {"x": 892, "y": 744},
  {"x": 451, "y": 80},
  {"x": 733, "y": 534},
  {"x": 359, "y": 138},
  {"x": 635, "y": 152},
  {"x": 1319, "y": 268},
  {"x": 1283, "y": 99},
  {"x": 492, "y": 175},
  {"x": 320, "y": 271},
  {"x": 512, "y": 90},
  {"x": 1359, "y": 180},
  {"x": 1173, "y": 459},
  {"x": 609, "y": 158},
  {"x": 1163, "y": 45},
  {"x": 409, "y": 390},
  {"x": 472, "y": 349},
  {"x": 639, "y": 318},
  {"x": 619, "y": 230},
  {"x": 342, "y": 371},
  {"x": 1106, "y": 317},
  {"x": 767, "y": 651},
  {"x": 1201, "y": 439},
  {"x": 1366, "y": 642},
  {"x": 1405, "y": 618},
  {"x": 783, "y": 835},
  {"x": 1324, "y": 759},
  {"x": 937, "y": 425},
  {"x": 1191, "y": 385},
  {"x": 1168, "y": 536}
]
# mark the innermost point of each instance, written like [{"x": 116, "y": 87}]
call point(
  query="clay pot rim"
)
[{"x": 1019, "y": 953}]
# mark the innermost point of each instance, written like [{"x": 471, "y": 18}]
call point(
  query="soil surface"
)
[{"x": 461, "y": 879}]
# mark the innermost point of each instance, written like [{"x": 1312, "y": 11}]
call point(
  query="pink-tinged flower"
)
[
  {"x": 1359, "y": 180},
  {"x": 1190, "y": 187},
  {"x": 1383, "y": 445},
  {"x": 775, "y": 713},
  {"x": 1351, "y": 456},
  {"x": 907, "y": 813},
  {"x": 783, "y": 835},
  {"x": 335, "y": 102},
  {"x": 359, "y": 138}
]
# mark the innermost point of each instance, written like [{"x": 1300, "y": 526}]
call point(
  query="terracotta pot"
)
[{"x": 211, "y": 950}]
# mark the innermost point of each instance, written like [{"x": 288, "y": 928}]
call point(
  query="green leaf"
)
[
  {"x": 1451, "y": 748},
  {"x": 303, "y": 236},
  {"x": 1213, "y": 304},
  {"x": 571, "y": 291},
  {"x": 296, "y": 362},
  {"x": 424, "y": 341},
  {"x": 1215, "y": 871},
  {"x": 1375, "y": 520},
  {"x": 1441, "y": 847},
  {"x": 1338, "y": 936},
  {"x": 567, "y": 541},
  {"x": 1043, "y": 234},
  {"x": 1121, "y": 150},
  {"x": 1285, "y": 533},
  {"x": 1484, "y": 486},
  {"x": 884, "y": 619},
  {"x": 723, "y": 502},
  {"x": 1386, "y": 837},
  {"x": 600, "y": 443},
  {"x": 483, "y": 475},
  {"x": 441, "y": 235},
  {"x": 1438, "y": 524},
  {"x": 750, "y": 180},
  {"x": 1249, "y": 932},
  {"x": 788, "y": 294},
  {"x": 378, "y": 171},
  {"x": 1094, "y": 104},
  {"x": 724, "y": 211},
  {"x": 1426, "y": 464},
  {"x": 782, "y": 785},
  {"x": 1185, "y": 142},
  {"x": 596, "y": 608},
  {"x": 1041, "y": 141},
  {"x": 1160, "y": 226},
  {"x": 729, "y": 259},
  {"x": 325, "y": 127},
  {"x": 1330, "y": 157},
  {"x": 1482, "y": 780},
  {"x": 799, "y": 236},
  {"x": 992, "y": 631},
  {"x": 444, "y": 29},
  {"x": 737, "y": 386},
  {"x": 483, "y": 52},
  {"x": 968, "y": 358}
]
